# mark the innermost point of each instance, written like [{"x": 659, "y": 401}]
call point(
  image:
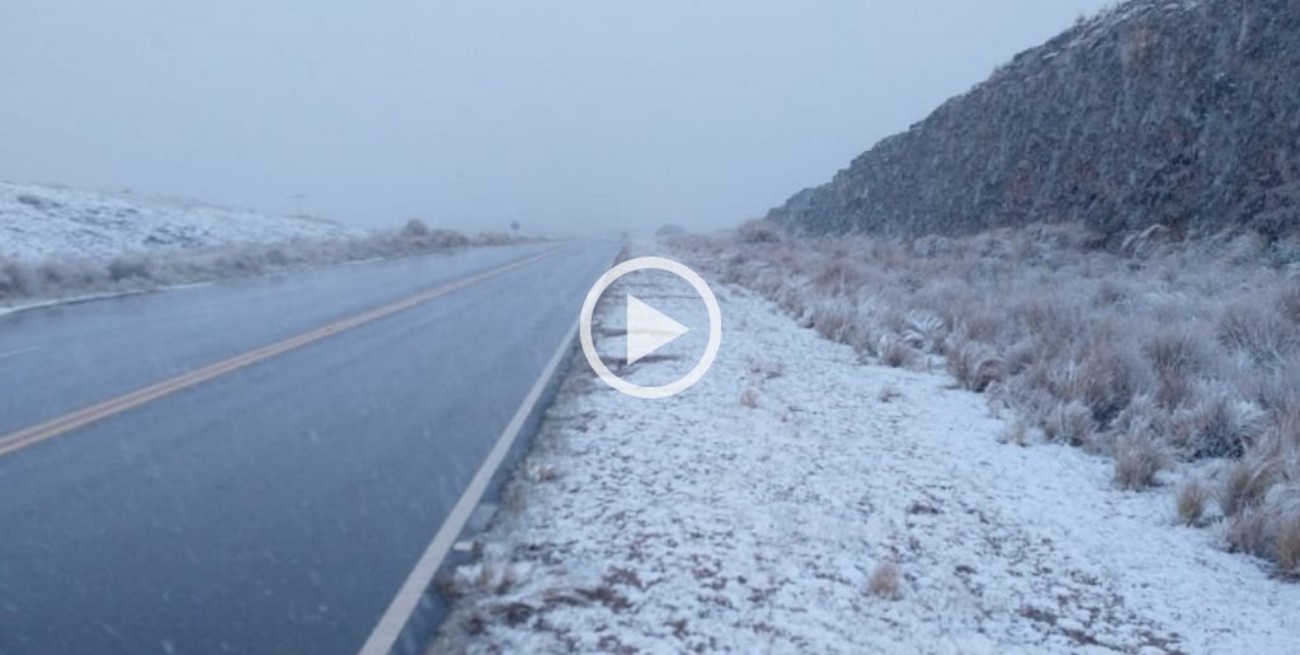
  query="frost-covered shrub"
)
[
  {"x": 894, "y": 351},
  {"x": 1245, "y": 484},
  {"x": 1191, "y": 499},
  {"x": 1108, "y": 380},
  {"x": 759, "y": 231},
  {"x": 831, "y": 322},
  {"x": 414, "y": 229},
  {"x": 1069, "y": 423},
  {"x": 492, "y": 239},
  {"x": 1269, "y": 529},
  {"x": 125, "y": 267},
  {"x": 837, "y": 277},
  {"x": 17, "y": 280},
  {"x": 1175, "y": 353},
  {"x": 1138, "y": 458},
  {"x": 886, "y": 581},
  {"x": 1248, "y": 532},
  {"x": 1221, "y": 426},
  {"x": 1288, "y": 303},
  {"x": 925, "y": 331},
  {"x": 36, "y": 201},
  {"x": 975, "y": 365},
  {"x": 1260, "y": 332}
]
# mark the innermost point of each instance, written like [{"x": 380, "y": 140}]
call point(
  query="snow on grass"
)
[
  {"x": 766, "y": 509},
  {"x": 39, "y": 222},
  {"x": 60, "y": 245}
]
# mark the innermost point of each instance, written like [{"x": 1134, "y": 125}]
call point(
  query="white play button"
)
[{"x": 648, "y": 329}]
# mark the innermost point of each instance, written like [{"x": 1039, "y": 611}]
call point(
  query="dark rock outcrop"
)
[{"x": 1180, "y": 113}]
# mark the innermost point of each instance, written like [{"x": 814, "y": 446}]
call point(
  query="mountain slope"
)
[
  {"x": 38, "y": 222},
  {"x": 1182, "y": 113}
]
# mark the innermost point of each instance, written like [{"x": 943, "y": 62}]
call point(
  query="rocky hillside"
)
[{"x": 1184, "y": 113}]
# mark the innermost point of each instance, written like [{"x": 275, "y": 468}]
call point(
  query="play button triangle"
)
[{"x": 648, "y": 329}]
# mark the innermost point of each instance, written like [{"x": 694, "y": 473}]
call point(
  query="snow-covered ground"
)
[
  {"x": 750, "y": 513},
  {"x": 38, "y": 222}
]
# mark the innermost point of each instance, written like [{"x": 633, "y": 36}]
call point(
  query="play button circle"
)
[{"x": 649, "y": 329}]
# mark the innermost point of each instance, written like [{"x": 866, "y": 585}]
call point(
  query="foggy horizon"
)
[{"x": 586, "y": 117}]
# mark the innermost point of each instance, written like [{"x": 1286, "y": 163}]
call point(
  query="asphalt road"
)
[{"x": 276, "y": 508}]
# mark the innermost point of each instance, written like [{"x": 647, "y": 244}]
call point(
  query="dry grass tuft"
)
[
  {"x": 894, "y": 351},
  {"x": 888, "y": 394},
  {"x": 1245, "y": 485},
  {"x": 830, "y": 322},
  {"x": 1175, "y": 353},
  {"x": 886, "y": 582},
  {"x": 1248, "y": 532},
  {"x": 1070, "y": 423},
  {"x": 1269, "y": 528},
  {"x": 1286, "y": 546},
  {"x": 1138, "y": 459},
  {"x": 1017, "y": 433},
  {"x": 536, "y": 470},
  {"x": 759, "y": 231},
  {"x": 1191, "y": 499},
  {"x": 925, "y": 331},
  {"x": 1258, "y": 331},
  {"x": 1108, "y": 379},
  {"x": 492, "y": 574},
  {"x": 976, "y": 366},
  {"x": 1222, "y": 426}
]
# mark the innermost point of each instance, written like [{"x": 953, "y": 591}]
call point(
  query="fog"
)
[{"x": 572, "y": 116}]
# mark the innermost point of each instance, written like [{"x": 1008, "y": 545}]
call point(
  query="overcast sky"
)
[{"x": 564, "y": 114}]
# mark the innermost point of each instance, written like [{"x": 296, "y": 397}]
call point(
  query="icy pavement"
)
[{"x": 749, "y": 514}]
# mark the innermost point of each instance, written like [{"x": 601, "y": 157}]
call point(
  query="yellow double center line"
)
[{"x": 80, "y": 418}]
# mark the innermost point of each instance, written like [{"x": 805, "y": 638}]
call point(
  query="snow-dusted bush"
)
[
  {"x": 760, "y": 231},
  {"x": 414, "y": 229},
  {"x": 492, "y": 239},
  {"x": 894, "y": 351},
  {"x": 1270, "y": 529},
  {"x": 886, "y": 581},
  {"x": 1191, "y": 500},
  {"x": 17, "y": 279},
  {"x": 925, "y": 331},
  {"x": 1137, "y": 460},
  {"x": 1260, "y": 332},
  {"x": 1070, "y": 423},
  {"x": 830, "y": 321},
  {"x": 126, "y": 267},
  {"x": 976, "y": 365},
  {"x": 1246, "y": 483},
  {"x": 1222, "y": 425}
]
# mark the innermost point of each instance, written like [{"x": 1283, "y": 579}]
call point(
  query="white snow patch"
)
[
  {"x": 700, "y": 522},
  {"x": 38, "y": 222}
]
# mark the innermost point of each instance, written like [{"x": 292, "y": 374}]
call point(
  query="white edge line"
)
[
  {"x": 389, "y": 629},
  {"x": 20, "y": 351}
]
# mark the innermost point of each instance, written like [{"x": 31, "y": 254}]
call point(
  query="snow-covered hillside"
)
[{"x": 39, "y": 222}]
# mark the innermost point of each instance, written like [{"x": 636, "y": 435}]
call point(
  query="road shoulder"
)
[{"x": 765, "y": 510}]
